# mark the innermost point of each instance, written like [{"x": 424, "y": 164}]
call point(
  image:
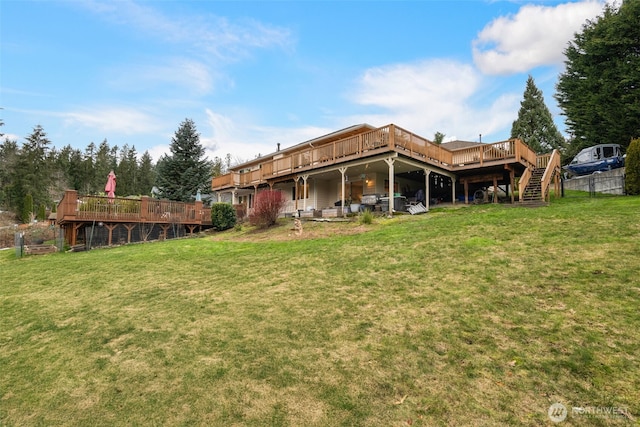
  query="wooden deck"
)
[
  {"x": 76, "y": 211},
  {"x": 389, "y": 138}
]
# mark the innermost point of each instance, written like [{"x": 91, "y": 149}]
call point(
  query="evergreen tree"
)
[
  {"x": 599, "y": 89},
  {"x": 186, "y": 170},
  {"x": 127, "y": 171},
  {"x": 86, "y": 174},
  {"x": 534, "y": 124},
  {"x": 146, "y": 174},
  {"x": 62, "y": 168},
  {"x": 70, "y": 171},
  {"x": 632, "y": 166},
  {"x": 31, "y": 173},
  {"x": 26, "y": 209},
  {"x": 438, "y": 138},
  {"x": 42, "y": 213},
  {"x": 8, "y": 158},
  {"x": 104, "y": 163}
]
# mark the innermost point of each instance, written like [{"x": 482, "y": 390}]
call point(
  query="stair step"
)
[{"x": 532, "y": 194}]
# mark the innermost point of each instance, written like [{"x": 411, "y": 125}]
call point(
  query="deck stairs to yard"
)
[{"x": 532, "y": 194}]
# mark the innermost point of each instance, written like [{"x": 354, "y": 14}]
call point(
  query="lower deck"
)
[{"x": 99, "y": 221}]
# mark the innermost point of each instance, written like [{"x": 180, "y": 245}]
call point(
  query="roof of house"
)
[{"x": 456, "y": 145}]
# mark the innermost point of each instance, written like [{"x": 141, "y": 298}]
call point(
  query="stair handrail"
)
[
  {"x": 522, "y": 184},
  {"x": 553, "y": 166}
]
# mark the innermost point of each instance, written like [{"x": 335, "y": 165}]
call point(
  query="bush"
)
[
  {"x": 269, "y": 204},
  {"x": 26, "y": 211},
  {"x": 366, "y": 217},
  {"x": 223, "y": 216},
  {"x": 42, "y": 213},
  {"x": 632, "y": 167}
]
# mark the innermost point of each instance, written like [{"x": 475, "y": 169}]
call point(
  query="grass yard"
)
[{"x": 484, "y": 315}]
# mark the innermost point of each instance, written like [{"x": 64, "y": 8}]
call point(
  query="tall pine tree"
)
[
  {"x": 534, "y": 124},
  {"x": 32, "y": 170},
  {"x": 599, "y": 91},
  {"x": 9, "y": 152},
  {"x": 146, "y": 174},
  {"x": 186, "y": 170},
  {"x": 127, "y": 171}
]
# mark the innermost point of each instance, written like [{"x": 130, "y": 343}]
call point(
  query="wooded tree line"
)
[
  {"x": 35, "y": 174},
  {"x": 39, "y": 169},
  {"x": 599, "y": 91}
]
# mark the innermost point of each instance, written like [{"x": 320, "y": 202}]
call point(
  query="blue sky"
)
[{"x": 252, "y": 74}]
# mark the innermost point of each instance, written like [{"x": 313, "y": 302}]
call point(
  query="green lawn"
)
[{"x": 484, "y": 315}]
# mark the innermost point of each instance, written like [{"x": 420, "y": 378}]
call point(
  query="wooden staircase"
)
[{"x": 532, "y": 194}]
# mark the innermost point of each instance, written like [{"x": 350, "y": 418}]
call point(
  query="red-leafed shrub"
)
[{"x": 269, "y": 204}]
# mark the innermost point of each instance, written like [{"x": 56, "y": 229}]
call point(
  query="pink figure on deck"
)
[{"x": 110, "y": 188}]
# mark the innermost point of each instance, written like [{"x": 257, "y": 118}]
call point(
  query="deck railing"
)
[
  {"x": 481, "y": 154},
  {"x": 543, "y": 160},
  {"x": 390, "y": 137},
  {"x": 522, "y": 183},
  {"x": 99, "y": 208},
  {"x": 420, "y": 147},
  {"x": 104, "y": 208},
  {"x": 311, "y": 157},
  {"x": 552, "y": 165},
  {"x": 225, "y": 180}
]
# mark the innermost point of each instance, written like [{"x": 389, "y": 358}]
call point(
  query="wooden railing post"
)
[
  {"x": 144, "y": 208},
  {"x": 553, "y": 165},
  {"x": 524, "y": 180},
  {"x": 198, "y": 211},
  {"x": 392, "y": 136},
  {"x": 70, "y": 204}
]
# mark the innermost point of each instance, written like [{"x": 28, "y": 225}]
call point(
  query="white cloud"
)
[
  {"x": 114, "y": 120},
  {"x": 406, "y": 86},
  {"x": 157, "y": 151},
  {"x": 10, "y": 137},
  {"x": 213, "y": 34},
  {"x": 184, "y": 74},
  {"x": 432, "y": 96},
  {"x": 535, "y": 36},
  {"x": 244, "y": 140}
]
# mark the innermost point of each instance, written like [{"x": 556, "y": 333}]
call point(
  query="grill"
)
[{"x": 370, "y": 199}]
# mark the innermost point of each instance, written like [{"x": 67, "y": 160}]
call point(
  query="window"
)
[
  {"x": 597, "y": 153},
  {"x": 583, "y": 157},
  {"x": 608, "y": 152},
  {"x": 301, "y": 192}
]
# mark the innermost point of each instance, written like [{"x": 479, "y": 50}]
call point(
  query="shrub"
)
[
  {"x": 366, "y": 217},
  {"x": 26, "y": 211},
  {"x": 269, "y": 204},
  {"x": 223, "y": 216},
  {"x": 632, "y": 168},
  {"x": 42, "y": 213}
]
